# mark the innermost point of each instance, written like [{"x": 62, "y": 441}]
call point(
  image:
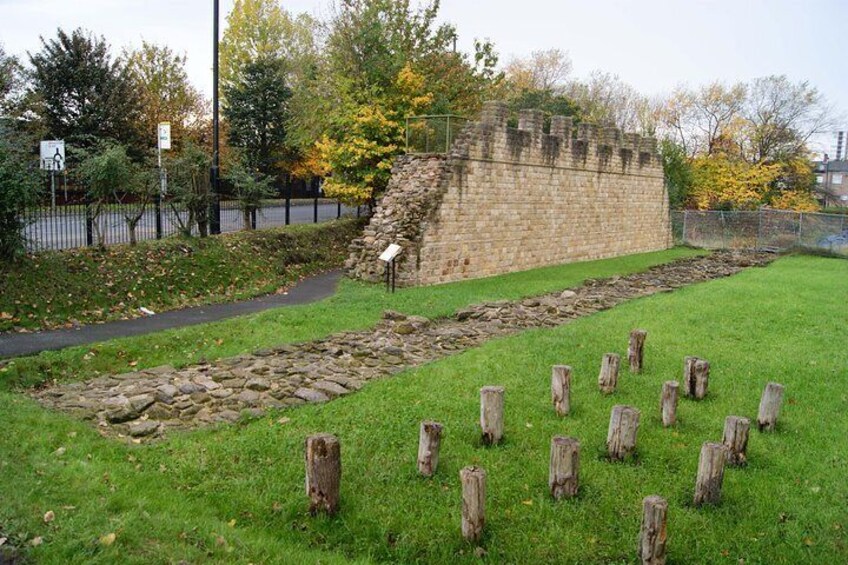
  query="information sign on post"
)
[
  {"x": 53, "y": 155},
  {"x": 388, "y": 257}
]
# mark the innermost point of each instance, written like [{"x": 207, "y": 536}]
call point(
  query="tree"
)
[
  {"x": 257, "y": 113},
  {"x": 159, "y": 76},
  {"x": 678, "y": 173},
  {"x": 251, "y": 189},
  {"x": 83, "y": 95},
  {"x": 703, "y": 120},
  {"x": 372, "y": 135},
  {"x": 720, "y": 182},
  {"x": 111, "y": 175},
  {"x": 262, "y": 29},
  {"x": 11, "y": 82},
  {"x": 545, "y": 71},
  {"x": 780, "y": 117},
  {"x": 190, "y": 187},
  {"x": 19, "y": 190}
]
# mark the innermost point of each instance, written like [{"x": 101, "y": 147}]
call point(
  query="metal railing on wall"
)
[
  {"x": 765, "y": 229},
  {"x": 432, "y": 133}
]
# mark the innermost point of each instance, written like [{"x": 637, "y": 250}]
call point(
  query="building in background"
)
[{"x": 831, "y": 181}]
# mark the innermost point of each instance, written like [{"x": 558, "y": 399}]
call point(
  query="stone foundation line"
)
[{"x": 148, "y": 403}]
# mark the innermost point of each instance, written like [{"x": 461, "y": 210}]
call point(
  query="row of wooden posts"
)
[{"x": 323, "y": 453}]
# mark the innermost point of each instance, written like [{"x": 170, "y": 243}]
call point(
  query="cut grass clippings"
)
[
  {"x": 80, "y": 286},
  {"x": 235, "y": 494},
  {"x": 355, "y": 306}
]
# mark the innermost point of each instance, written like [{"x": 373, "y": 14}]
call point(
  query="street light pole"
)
[{"x": 215, "y": 220}]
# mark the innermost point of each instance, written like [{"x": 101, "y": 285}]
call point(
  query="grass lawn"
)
[
  {"x": 91, "y": 285},
  {"x": 355, "y": 306},
  {"x": 235, "y": 494}
]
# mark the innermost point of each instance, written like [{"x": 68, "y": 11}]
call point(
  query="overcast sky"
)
[{"x": 652, "y": 44}]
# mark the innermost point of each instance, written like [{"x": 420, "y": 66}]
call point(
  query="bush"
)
[{"x": 19, "y": 190}]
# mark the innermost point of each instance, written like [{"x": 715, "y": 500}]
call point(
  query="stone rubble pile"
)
[{"x": 147, "y": 403}]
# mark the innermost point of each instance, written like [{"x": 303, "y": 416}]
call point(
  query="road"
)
[{"x": 67, "y": 230}]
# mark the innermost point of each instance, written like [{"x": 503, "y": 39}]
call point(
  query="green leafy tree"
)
[
  {"x": 110, "y": 174},
  {"x": 19, "y": 190},
  {"x": 165, "y": 94},
  {"x": 257, "y": 113},
  {"x": 190, "y": 188},
  {"x": 82, "y": 94},
  {"x": 251, "y": 190},
  {"x": 678, "y": 173}
]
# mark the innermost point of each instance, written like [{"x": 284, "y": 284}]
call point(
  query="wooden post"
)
[
  {"x": 429, "y": 440},
  {"x": 636, "y": 350},
  {"x": 652, "y": 536},
  {"x": 473, "y": 481},
  {"x": 668, "y": 403},
  {"x": 491, "y": 414},
  {"x": 323, "y": 473},
  {"x": 621, "y": 437},
  {"x": 563, "y": 478},
  {"x": 735, "y": 438},
  {"x": 561, "y": 389},
  {"x": 770, "y": 407},
  {"x": 710, "y": 473},
  {"x": 696, "y": 377},
  {"x": 608, "y": 377}
]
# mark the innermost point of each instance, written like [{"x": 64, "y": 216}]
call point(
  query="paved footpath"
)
[
  {"x": 309, "y": 290},
  {"x": 146, "y": 404}
]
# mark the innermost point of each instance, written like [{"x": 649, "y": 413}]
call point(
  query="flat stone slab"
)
[{"x": 145, "y": 404}]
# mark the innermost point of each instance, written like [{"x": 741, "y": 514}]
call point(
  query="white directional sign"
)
[
  {"x": 53, "y": 155},
  {"x": 164, "y": 135}
]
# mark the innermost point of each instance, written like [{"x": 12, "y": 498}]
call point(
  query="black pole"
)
[
  {"x": 315, "y": 202},
  {"x": 157, "y": 208},
  {"x": 338, "y": 209},
  {"x": 288, "y": 201},
  {"x": 215, "y": 220}
]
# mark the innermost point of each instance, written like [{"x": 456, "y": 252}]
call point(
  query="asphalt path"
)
[{"x": 308, "y": 290}]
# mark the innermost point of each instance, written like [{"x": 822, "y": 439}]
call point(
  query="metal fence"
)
[
  {"x": 78, "y": 224},
  {"x": 773, "y": 230},
  {"x": 432, "y": 134}
]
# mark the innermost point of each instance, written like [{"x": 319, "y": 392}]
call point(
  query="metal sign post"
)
[{"x": 163, "y": 142}]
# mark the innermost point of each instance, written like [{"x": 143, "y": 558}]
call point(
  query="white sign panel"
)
[
  {"x": 53, "y": 155},
  {"x": 390, "y": 252},
  {"x": 164, "y": 135}
]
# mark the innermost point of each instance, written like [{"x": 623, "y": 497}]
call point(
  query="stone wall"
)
[{"x": 509, "y": 199}]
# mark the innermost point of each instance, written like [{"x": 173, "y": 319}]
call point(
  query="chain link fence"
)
[{"x": 770, "y": 230}]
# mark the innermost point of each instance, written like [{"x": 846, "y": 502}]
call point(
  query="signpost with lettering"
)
[
  {"x": 53, "y": 159},
  {"x": 388, "y": 257}
]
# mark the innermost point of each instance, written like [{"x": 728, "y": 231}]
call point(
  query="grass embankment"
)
[
  {"x": 355, "y": 306},
  {"x": 55, "y": 289},
  {"x": 235, "y": 494}
]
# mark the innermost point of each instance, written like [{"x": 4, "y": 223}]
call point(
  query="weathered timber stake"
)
[
  {"x": 323, "y": 473},
  {"x": 564, "y": 475},
  {"x": 770, "y": 407},
  {"x": 608, "y": 377},
  {"x": 696, "y": 377},
  {"x": 491, "y": 414},
  {"x": 429, "y": 440},
  {"x": 710, "y": 473},
  {"x": 668, "y": 403},
  {"x": 621, "y": 437},
  {"x": 652, "y": 536},
  {"x": 636, "y": 350},
  {"x": 735, "y": 438},
  {"x": 473, "y": 481},
  {"x": 561, "y": 389}
]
